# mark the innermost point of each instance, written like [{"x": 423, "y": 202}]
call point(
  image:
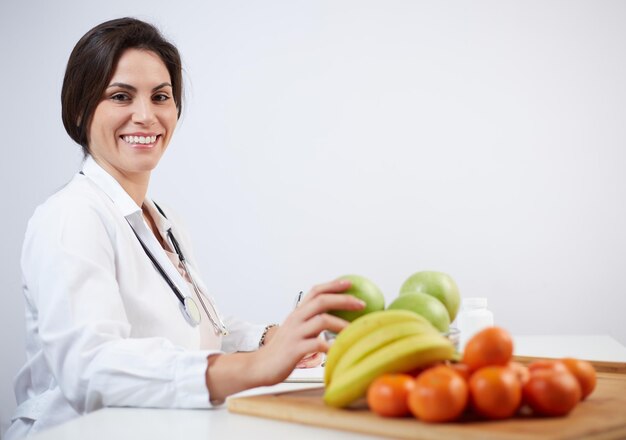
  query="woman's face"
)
[{"x": 134, "y": 122}]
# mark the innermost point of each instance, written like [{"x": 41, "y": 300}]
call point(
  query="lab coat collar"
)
[
  {"x": 110, "y": 186},
  {"x": 162, "y": 223}
]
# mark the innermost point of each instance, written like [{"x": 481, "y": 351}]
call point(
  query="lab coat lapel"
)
[{"x": 132, "y": 213}]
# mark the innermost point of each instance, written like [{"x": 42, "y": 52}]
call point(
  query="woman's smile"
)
[{"x": 141, "y": 140}]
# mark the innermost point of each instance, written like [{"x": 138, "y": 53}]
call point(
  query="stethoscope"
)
[{"x": 187, "y": 305}]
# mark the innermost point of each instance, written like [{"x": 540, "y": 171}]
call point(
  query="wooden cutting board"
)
[{"x": 601, "y": 416}]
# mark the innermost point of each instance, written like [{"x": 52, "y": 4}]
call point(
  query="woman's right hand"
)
[{"x": 299, "y": 334}]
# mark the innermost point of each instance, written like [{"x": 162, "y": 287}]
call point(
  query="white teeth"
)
[{"x": 140, "y": 139}]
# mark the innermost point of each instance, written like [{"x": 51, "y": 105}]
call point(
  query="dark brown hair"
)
[{"x": 92, "y": 65}]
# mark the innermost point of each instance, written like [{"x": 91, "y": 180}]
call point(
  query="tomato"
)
[
  {"x": 547, "y": 364},
  {"x": 461, "y": 369},
  {"x": 495, "y": 392},
  {"x": 440, "y": 395},
  {"x": 552, "y": 392},
  {"x": 416, "y": 372},
  {"x": 520, "y": 370},
  {"x": 491, "y": 346},
  {"x": 387, "y": 395},
  {"x": 584, "y": 372}
]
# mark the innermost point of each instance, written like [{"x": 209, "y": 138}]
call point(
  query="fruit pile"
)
[
  {"x": 486, "y": 383},
  {"x": 386, "y": 341},
  {"x": 400, "y": 360},
  {"x": 405, "y": 336}
]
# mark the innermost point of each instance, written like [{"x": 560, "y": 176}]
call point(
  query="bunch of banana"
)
[{"x": 388, "y": 341}]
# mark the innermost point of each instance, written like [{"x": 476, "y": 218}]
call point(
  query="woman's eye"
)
[
  {"x": 161, "y": 97},
  {"x": 120, "y": 97}
]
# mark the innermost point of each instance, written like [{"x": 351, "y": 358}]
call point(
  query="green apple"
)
[
  {"x": 437, "y": 284},
  {"x": 428, "y": 306},
  {"x": 366, "y": 291}
]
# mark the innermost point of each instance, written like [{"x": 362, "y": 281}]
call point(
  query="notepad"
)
[{"x": 306, "y": 375}]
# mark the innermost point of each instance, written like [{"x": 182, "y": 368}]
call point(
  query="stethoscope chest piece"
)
[{"x": 190, "y": 311}]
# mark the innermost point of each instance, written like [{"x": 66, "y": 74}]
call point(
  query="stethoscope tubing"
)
[
  {"x": 186, "y": 302},
  {"x": 159, "y": 269}
]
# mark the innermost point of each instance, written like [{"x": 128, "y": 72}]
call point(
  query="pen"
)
[{"x": 298, "y": 299}]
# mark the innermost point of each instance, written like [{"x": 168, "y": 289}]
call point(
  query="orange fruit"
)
[
  {"x": 491, "y": 346},
  {"x": 387, "y": 395},
  {"x": 495, "y": 392},
  {"x": 440, "y": 395}
]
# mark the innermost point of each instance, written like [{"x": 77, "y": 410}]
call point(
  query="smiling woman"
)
[{"x": 110, "y": 283}]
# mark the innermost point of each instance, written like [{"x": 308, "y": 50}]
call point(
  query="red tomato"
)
[
  {"x": 547, "y": 364},
  {"x": 584, "y": 372},
  {"x": 387, "y": 395},
  {"x": 520, "y": 370},
  {"x": 440, "y": 395},
  {"x": 416, "y": 372},
  {"x": 461, "y": 369},
  {"x": 551, "y": 392}
]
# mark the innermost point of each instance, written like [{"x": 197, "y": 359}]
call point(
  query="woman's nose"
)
[{"x": 143, "y": 113}]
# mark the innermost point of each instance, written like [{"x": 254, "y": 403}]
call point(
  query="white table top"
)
[
  {"x": 590, "y": 347},
  {"x": 157, "y": 424}
]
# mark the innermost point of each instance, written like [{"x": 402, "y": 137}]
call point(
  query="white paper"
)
[{"x": 304, "y": 375}]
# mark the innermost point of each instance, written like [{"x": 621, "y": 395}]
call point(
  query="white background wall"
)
[{"x": 485, "y": 139}]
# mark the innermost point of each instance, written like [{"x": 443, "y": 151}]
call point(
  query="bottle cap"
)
[{"x": 475, "y": 303}]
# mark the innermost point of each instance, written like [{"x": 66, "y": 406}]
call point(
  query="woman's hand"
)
[
  {"x": 296, "y": 342},
  {"x": 287, "y": 346}
]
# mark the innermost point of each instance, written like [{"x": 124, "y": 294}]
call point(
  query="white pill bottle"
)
[{"x": 473, "y": 318}]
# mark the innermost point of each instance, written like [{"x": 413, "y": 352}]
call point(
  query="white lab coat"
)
[{"x": 103, "y": 327}]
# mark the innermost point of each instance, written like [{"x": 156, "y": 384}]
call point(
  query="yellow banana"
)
[
  {"x": 359, "y": 328},
  {"x": 403, "y": 355},
  {"x": 378, "y": 338}
]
